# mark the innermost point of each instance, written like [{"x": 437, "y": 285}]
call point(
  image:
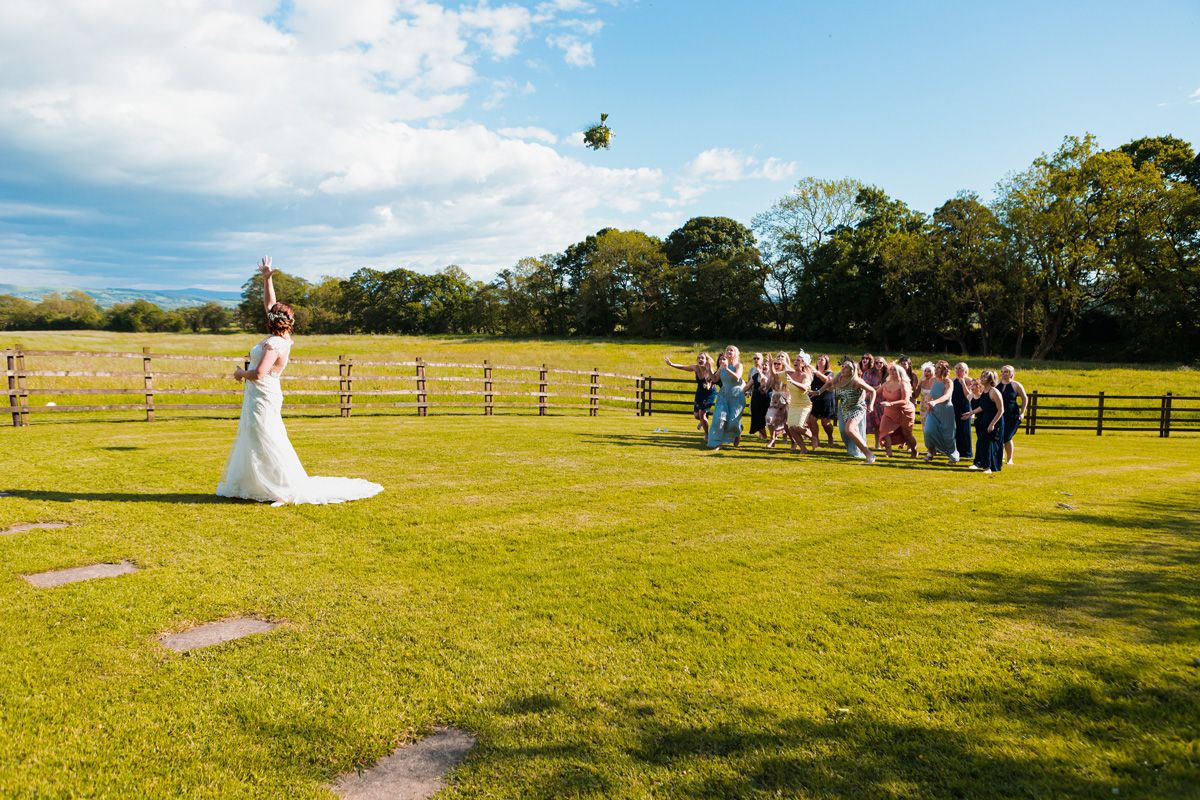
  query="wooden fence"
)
[
  {"x": 163, "y": 383},
  {"x": 1102, "y": 413}
]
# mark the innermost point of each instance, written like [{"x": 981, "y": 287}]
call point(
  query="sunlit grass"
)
[{"x": 613, "y": 611}]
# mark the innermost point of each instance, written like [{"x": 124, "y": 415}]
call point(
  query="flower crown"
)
[{"x": 279, "y": 316}]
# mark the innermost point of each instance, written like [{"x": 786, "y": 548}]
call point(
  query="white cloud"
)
[
  {"x": 576, "y": 52},
  {"x": 341, "y": 110},
  {"x": 1195, "y": 98},
  {"x": 724, "y": 164},
  {"x": 536, "y": 134}
]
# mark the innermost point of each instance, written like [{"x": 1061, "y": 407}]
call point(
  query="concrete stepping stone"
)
[
  {"x": 215, "y": 633},
  {"x": 21, "y": 527},
  {"x": 412, "y": 772},
  {"x": 58, "y": 577}
]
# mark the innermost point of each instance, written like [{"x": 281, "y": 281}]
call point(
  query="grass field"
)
[{"x": 614, "y": 612}]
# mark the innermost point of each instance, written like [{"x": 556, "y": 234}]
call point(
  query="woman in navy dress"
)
[
  {"x": 989, "y": 425},
  {"x": 824, "y": 409},
  {"x": 705, "y": 372},
  {"x": 1014, "y": 412},
  {"x": 961, "y": 401}
]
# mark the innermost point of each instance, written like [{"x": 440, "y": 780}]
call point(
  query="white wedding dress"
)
[{"x": 263, "y": 465}]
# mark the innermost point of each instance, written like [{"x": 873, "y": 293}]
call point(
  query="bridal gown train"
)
[{"x": 263, "y": 465}]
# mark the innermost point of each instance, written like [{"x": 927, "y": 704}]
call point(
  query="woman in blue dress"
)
[
  {"x": 1014, "y": 412},
  {"x": 726, "y": 424},
  {"x": 989, "y": 425},
  {"x": 705, "y": 372},
  {"x": 856, "y": 399},
  {"x": 938, "y": 415}
]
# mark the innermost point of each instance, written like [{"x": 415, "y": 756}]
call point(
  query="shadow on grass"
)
[
  {"x": 684, "y": 748},
  {"x": 1147, "y": 581},
  {"x": 758, "y": 450},
  {"x": 123, "y": 497}
]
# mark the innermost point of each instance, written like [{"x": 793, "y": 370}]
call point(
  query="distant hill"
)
[{"x": 163, "y": 298}]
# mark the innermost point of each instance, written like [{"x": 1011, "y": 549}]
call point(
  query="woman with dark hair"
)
[
  {"x": 262, "y": 464},
  {"x": 759, "y": 389},
  {"x": 705, "y": 372},
  {"x": 1011, "y": 390},
  {"x": 961, "y": 400},
  {"x": 824, "y": 409},
  {"x": 989, "y": 425},
  {"x": 938, "y": 415},
  {"x": 875, "y": 377}
]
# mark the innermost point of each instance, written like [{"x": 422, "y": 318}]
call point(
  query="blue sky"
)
[{"x": 140, "y": 148}]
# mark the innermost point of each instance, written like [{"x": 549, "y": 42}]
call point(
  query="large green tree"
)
[{"x": 792, "y": 234}]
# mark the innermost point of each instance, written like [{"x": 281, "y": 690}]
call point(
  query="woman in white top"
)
[{"x": 263, "y": 465}]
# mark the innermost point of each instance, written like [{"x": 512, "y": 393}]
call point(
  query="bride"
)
[{"x": 263, "y": 465}]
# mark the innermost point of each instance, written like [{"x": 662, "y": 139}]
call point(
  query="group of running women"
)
[{"x": 796, "y": 398}]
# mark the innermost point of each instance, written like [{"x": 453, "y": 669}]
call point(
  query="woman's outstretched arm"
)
[{"x": 264, "y": 267}]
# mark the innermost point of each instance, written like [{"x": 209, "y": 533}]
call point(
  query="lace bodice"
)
[{"x": 277, "y": 343}]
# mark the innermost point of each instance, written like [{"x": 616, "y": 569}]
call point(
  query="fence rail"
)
[
  {"x": 144, "y": 382},
  {"x": 1159, "y": 414}
]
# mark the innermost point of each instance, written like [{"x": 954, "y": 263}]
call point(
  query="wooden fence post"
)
[
  {"x": 14, "y": 404},
  {"x": 594, "y": 392},
  {"x": 422, "y": 397},
  {"x": 1100, "y": 416},
  {"x": 148, "y": 380},
  {"x": 22, "y": 391},
  {"x": 1167, "y": 417},
  {"x": 648, "y": 393},
  {"x": 345, "y": 385},
  {"x": 639, "y": 395},
  {"x": 1031, "y": 417},
  {"x": 487, "y": 388},
  {"x": 542, "y": 392}
]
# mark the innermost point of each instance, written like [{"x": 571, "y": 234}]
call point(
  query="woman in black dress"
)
[
  {"x": 824, "y": 406},
  {"x": 1014, "y": 412},
  {"x": 989, "y": 425},
  {"x": 961, "y": 400},
  {"x": 759, "y": 389}
]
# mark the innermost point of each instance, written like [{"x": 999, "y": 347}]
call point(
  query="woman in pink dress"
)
[{"x": 899, "y": 413}]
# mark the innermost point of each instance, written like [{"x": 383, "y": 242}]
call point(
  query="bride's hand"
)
[
  {"x": 237, "y": 375},
  {"x": 264, "y": 267}
]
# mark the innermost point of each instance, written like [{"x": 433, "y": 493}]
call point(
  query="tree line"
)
[
  {"x": 78, "y": 310},
  {"x": 1087, "y": 252}
]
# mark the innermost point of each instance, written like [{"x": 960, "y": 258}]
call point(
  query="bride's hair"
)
[{"x": 280, "y": 319}]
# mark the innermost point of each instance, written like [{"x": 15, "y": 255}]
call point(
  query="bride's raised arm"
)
[{"x": 264, "y": 267}]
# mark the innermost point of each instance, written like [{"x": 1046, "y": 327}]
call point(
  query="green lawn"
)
[{"x": 613, "y": 611}]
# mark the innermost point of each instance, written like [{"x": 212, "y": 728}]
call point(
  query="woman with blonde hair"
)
[
  {"x": 799, "y": 384},
  {"x": 726, "y": 424},
  {"x": 898, "y": 411},
  {"x": 777, "y": 412},
  {"x": 961, "y": 400},
  {"x": 1011, "y": 390},
  {"x": 705, "y": 371},
  {"x": 938, "y": 415},
  {"x": 989, "y": 425},
  {"x": 856, "y": 398}
]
